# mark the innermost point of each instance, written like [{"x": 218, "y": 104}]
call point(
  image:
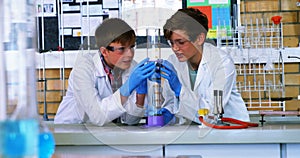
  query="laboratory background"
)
[{"x": 261, "y": 36}]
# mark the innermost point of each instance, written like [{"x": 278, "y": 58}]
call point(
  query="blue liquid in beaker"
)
[
  {"x": 46, "y": 145},
  {"x": 19, "y": 138}
]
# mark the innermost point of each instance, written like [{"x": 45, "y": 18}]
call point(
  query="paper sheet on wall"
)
[
  {"x": 67, "y": 7},
  {"x": 110, "y": 3},
  {"x": 194, "y": 1},
  {"x": 71, "y": 20},
  {"x": 76, "y": 32},
  {"x": 78, "y": 1},
  {"x": 67, "y": 32},
  {"x": 218, "y": 1},
  {"x": 46, "y": 8},
  {"x": 90, "y": 24},
  {"x": 113, "y": 14},
  {"x": 140, "y": 14},
  {"x": 93, "y": 10}
]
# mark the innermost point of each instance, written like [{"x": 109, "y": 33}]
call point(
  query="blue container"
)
[
  {"x": 19, "y": 138},
  {"x": 46, "y": 145}
]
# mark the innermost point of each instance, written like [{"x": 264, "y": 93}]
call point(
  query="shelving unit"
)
[{"x": 258, "y": 46}]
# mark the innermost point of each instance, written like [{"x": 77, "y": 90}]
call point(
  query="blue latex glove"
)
[
  {"x": 142, "y": 88},
  {"x": 140, "y": 73},
  {"x": 170, "y": 74},
  {"x": 156, "y": 77},
  {"x": 168, "y": 116}
]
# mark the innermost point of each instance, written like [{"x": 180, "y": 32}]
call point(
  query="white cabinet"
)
[
  {"x": 113, "y": 150},
  {"x": 292, "y": 150},
  {"x": 225, "y": 150}
]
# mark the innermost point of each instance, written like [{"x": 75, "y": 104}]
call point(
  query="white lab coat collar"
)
[
  {"x": 202, "y": 68},
  {"x": 100, "y": 72},
  {"x": 99, "y": 66},
  {"x": 183, "y": 68}
]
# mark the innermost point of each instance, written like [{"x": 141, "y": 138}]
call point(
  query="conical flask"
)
[{"x": 18, "y": 108}]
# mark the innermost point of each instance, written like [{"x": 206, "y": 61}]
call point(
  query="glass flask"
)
[
  {"x": 18, "y": 107},
  {"x": 46, "y": 141},
  {"x": 155, "y": 99}
]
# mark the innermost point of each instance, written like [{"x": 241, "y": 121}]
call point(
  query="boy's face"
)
[
  {"x": 182, "y": 46},
  {"x": 116, "y": 54}
]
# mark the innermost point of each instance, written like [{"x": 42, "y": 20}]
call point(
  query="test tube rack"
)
[{"x": 257, "y": 48}]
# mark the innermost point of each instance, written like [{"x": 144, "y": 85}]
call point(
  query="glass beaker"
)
[
  {"x": 154, "y": 94},
  {"x": 18, "y": 116}
]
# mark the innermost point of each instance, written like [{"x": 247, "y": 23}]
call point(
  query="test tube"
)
[
  {"x": 218, "y": 105},
  {"x": 259, "y": 93},
  {"x": 249, "y": 92},
  {"x": 216, "y": 110}
]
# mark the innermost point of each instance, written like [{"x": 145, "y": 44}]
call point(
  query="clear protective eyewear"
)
[
  {"x": 179, "y": 42},
  {"x": 120, "y": 50}
]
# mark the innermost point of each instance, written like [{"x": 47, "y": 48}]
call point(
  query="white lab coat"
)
[
  {"x": 89, "y": 97},
  {"x": 216, "y": 71}
]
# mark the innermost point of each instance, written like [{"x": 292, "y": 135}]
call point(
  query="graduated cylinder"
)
[{"x": 155, "y": 98}]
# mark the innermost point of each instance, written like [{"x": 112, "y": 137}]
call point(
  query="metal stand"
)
[{"x": 257, "y": 50}]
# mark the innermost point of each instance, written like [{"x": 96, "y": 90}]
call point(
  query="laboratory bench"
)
[{"x": 276, "y": 139}]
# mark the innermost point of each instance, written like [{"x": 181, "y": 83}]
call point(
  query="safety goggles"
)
[
  {"x": 120, "y": 50},
  {"x": 179, "y": 42}
]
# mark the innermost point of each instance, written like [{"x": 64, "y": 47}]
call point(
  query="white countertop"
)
[{"x": 179, "y": 134}]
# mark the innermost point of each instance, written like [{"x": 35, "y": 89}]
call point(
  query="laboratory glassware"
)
[
  {"x": 155, "y": 99},
  {"x": 18, "y": 117},
  {"x": 46, "y": 144},
  {"x": 218, "y": 121},
  {"x": 260, "y": 66}
]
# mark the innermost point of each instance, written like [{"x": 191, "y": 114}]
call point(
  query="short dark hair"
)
[
  {"x": 114, "y": 30},
  {"x": 190, "y": 20}
]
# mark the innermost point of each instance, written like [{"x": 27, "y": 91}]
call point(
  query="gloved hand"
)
[
  {"x": 170, "y": 74},
  {"x": 168, "y": 116},
  {"x": 142, "y": 88},
  {"x": 140, "y": 73},
  {"x": 156, "y": 77}
]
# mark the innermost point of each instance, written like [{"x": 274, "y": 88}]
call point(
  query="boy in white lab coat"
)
[
  {"x": 107, "y": 85},
  {"x": 196, "y": 69}
]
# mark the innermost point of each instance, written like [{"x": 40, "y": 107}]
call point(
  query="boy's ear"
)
[{"x": 103, "y": 51}]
